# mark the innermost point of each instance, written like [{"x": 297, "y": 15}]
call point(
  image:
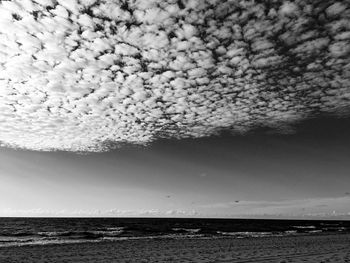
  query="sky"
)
[
  {"x": 174, "y": 108},
  {"x": 304, "y": 174}
]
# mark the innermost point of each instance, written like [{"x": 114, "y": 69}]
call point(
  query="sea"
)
[{"x": 45, "y": 231}]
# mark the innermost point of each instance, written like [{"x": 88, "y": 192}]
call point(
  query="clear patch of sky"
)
[{"x": 313, "y": 162}]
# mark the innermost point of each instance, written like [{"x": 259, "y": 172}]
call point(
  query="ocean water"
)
[{"x": 43, "y": 231}]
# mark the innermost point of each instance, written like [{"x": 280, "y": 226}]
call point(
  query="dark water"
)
[{"x": 41, "y": 231}]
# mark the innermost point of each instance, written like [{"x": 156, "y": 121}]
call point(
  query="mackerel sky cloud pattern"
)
[{"x": 80, "y": 75}]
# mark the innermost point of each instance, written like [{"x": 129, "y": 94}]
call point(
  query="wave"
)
[
  {"x": 187, "y": 230},
  {"x": 58, "y": 237},
  {"x": 315, "y": 231},
  {"x": 54, "y": 241},
  {"x": 84, "y": 234},
  {"x": 304, "y": 227},
  {"x": 40, "y": 241},
  {"x": 248, "y": 234},
  {"x": 7, "y": 240},
  {"x": 290, "y": 232},
  {"x": 13, "y": 232},
  {"x": 334, "y": 228},
  {"x": 116, "y": 234}
]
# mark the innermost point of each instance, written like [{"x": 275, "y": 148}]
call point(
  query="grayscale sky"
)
[
  {"x": 218, "y": 108},
  {"x": 262, "y": 173}
]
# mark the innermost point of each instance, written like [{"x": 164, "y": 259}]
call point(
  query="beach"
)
[{"x": 302, "y": 248}]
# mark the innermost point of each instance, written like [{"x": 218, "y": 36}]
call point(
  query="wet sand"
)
[{"x": 332, "y": 248}]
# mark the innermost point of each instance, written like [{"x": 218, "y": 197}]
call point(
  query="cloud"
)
[
  {"x": 87, "y": 75},
  {"x": 312, "y": 207},
  {"x": 328, "y": 207},
  {"x": 39, "y": 212}
]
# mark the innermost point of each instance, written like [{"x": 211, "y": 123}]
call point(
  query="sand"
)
[{"x": 322, "y": 248}]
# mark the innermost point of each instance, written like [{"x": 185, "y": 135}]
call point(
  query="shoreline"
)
[
  {"x": 229, "y": 235},
  {"x": 300, "y": 248}
]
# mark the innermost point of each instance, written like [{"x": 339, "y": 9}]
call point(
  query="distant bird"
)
[{"x": 237, "y": 201}]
